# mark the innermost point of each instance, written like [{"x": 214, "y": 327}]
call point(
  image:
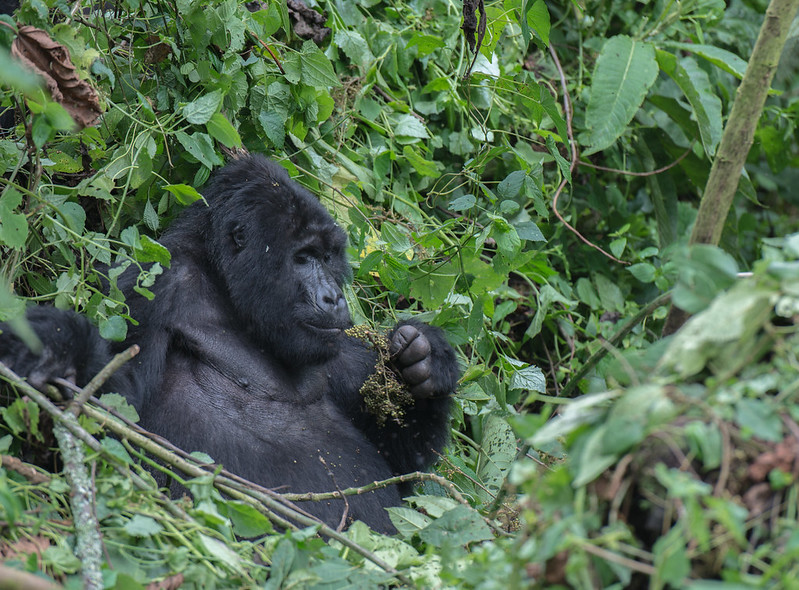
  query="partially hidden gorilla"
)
[{"x": 244, "y": 354}]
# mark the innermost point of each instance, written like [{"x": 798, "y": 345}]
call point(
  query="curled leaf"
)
[{"x": 34, "y": 48}]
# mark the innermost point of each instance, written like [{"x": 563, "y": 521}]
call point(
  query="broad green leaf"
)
[
  {"x": 510, "y": 186},
  {"x": 695, "y": 84},
  {"x": 200, "y": 146},
  {"x": 527, "y": 230},
  {"x": 459, "y": 526},
  {"x": 316, "y": 69},
  {"x": 643, "y": 271},
  {"x": 274, "y": 125},
  {"x": 13, "y": 226},
  {"x": 624, "y": 72},
  {"x": 407, "y": 521},
  {"x": 247, "y": 521},
  {"x": 142, "y": 526},
  {"x": 199, "y": 112},
  {"x": 223, "y": 131},
  {"x": 462, "y": 203},
  {"x": 499, "y": 451},
  {"x": 530, "y": 377},
  {"x": 425, "y": 44},
  {"x": 354, "y": 47},
  {"x": 409, "y": 129},
  {"x": 760, "y": 418},
  {"x": 184, "y": 193},
  {"x": 726, "y": 60},
  {"x": 114, "y": 328},
  {"x": 535, "y": 16},
  {"x": 420, "y": 164}
]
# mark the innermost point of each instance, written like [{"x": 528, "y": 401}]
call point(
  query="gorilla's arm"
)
[
  {"x": 431, "y": 379},
  {"x": 71, "y": 348}
]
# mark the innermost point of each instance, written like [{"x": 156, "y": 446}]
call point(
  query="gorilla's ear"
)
[{"x": 238, "y": 237}]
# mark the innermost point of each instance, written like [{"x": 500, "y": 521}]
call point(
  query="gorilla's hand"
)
[
  {"x": 71, "y": 348},
  {"x": 411, "y": 354}
]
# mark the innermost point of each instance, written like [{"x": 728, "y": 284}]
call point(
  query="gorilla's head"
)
[{"x": 281, "y": 258}]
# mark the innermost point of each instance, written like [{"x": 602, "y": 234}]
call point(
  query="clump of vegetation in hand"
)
[{"x": 384, "y": 395}]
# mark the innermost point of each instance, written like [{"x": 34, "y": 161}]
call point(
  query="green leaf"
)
[
  {"x": 223, "y": 131},
  {"x": 760, "y": 418},
  {"x": 695, "y": 84},
  {"x": 120, "y": 404},
  {"x": 142, "y": 526},
  {"x": 527, "y": 230},
  {"x": 499, "y": 447},
  {"x": 421, "y": 165},
  {"x": 247, "y": 521},
  {"x": 201, "y": 110},
  {"x": 459, "y": 526},
  {"x": 114, "y": 328},
  {"x": 13, "y": 226},
  {"x": 409, "y": 129},
  {"x": 425, "y": 44},
  {"x": 535, "y": 16},
  {"x": 184, "y": 193},
  {"x": 354, "y": 47},
  {"x": 462, "y": 203},
  {"x": 624, "y": 72},
  {"x": 726, "y": 60},
  {"x": 510, "y": 186},
  {"x": 274, "y": 125},
  {"x": 316, "y": 69},
  {"x": 643, "y": 271},
  {"x": 200, "y": 146},
  {"x": 407, "y": 521},
  {"x": 530, "y": 377},
  {"x": 115, "y": 448}
]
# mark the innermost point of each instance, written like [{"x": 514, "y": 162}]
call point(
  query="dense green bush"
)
[{"x": 459, "y": 178}]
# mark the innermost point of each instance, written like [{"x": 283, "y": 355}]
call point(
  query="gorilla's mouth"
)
[{"x": 323, "y": 330}]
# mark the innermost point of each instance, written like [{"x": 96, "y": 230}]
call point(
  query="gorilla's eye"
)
[
  {"x": 302, "y": 258},
  {"x": 327, "y": 258},
  {"x": 237, "y": 235}
]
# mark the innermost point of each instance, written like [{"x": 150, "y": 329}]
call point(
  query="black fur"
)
[{"x": 243, "y": 354}]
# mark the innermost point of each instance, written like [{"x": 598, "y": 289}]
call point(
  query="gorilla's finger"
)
[
  {"x": 424, "y": 390},
  {"x": 417, "y": 350},
  {"x": 417, "y": 373},
  {"x": 402, "y": 338}
]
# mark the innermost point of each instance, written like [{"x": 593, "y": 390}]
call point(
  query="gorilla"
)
[{"x": 244, "y": 354}]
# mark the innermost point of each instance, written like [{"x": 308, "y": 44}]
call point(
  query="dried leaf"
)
[{"x": 34, "y": 48}]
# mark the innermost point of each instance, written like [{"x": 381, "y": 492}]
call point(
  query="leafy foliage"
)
[{"x": 447, "y": 185}]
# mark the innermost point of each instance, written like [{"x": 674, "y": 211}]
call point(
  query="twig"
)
[
  {"x": 11, "y": 578},
  {"x": 88, "y": 542},
  {"x": 575, "y": 159},
  {"x": 613, "y": 340},
  {"x": 628, "y": 173},
  {"x": 97, "y": 381},
  {"x": 636, "y": 566},
  {"x": 268, "y": 49}
]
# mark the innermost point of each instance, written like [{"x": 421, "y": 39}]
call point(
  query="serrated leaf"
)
[
  {"x": 535, "y": 16},
  {"x": 410, "y": 128},
  {"x": 120, "y": 405},
  {"x": 407, "y": 521},
  {"x": 459, "y": 526},
  {"x": 316, "y": 69},
  {"x": 695, "y": 84},
  {"x": 274, "y": 125},
  {"x": 114, "y": 328},
  {"x": 499, "y": 446},
  {"x": 354, "y": 47},
  {"x": 531, "y": 378},
  {"x": 142, "y": 526},
  {"x": 199, "y": 112},
  {"x": 624, "y": 72}
]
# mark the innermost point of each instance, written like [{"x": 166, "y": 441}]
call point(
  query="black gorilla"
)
[{"x": 244, "y": 355}]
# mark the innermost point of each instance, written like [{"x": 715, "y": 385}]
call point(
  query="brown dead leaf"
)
[
  {"x": 783, "y": 457},
  {"x": 22, "y": 548},
  {"x": 34, "y": 48},
  {"x": 170, "y": 583}
]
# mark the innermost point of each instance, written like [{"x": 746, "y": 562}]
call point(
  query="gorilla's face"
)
[{"x": 281, "y": 256}]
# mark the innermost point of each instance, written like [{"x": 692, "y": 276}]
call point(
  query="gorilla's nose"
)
[{"x": 331, "y": 301}]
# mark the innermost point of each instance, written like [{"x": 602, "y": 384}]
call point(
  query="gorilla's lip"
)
[{"x": 327, "y": 330}]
